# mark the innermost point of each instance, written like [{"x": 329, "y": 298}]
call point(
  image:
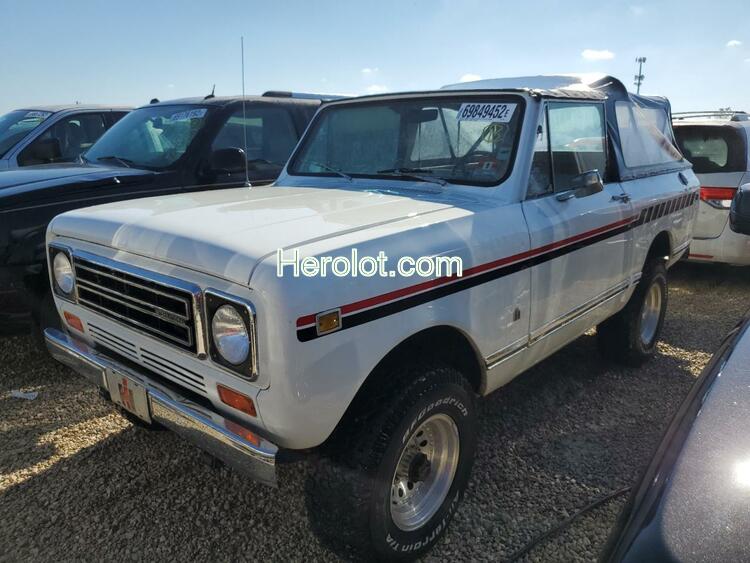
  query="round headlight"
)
[
  {"x": 63, "y": 273},
  {"x": 230, "y": 336}
]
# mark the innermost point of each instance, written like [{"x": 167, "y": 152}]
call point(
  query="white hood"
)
[{"x": 226, "y": 232}]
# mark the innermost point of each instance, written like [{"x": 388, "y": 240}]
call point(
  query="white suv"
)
[
  {"x": 564, "y": 198},
  {"x": 716, "y": 143}
]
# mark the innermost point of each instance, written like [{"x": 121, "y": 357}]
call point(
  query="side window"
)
[
  {"x": 570, "y": 140},
  {"x": 645, "y": 136},
  {"x": 270, "y": 136},
  {"x": 65, "y": 140},
  {"x": 577, "y": 141}
]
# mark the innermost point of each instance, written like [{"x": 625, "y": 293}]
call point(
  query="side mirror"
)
[
  {"x": 739, "y": 213},
  {"x": 227, "y": 161},
  {"x": 583, "y": 185},
  {"x": 45, "y": 150}
]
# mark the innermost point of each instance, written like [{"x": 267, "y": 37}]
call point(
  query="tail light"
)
[{"x": 718, "y": 198}]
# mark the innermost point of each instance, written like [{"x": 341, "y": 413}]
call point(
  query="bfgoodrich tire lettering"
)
[{"x": 350, "y": 492}]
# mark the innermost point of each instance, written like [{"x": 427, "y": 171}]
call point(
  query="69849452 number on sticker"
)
[{"x": 497, "y": 112}]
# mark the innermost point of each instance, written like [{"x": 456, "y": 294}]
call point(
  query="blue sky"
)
[{"x": 131, "y": 51}]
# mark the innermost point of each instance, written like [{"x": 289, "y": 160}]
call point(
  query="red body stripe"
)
[
  {"x": 703, "y": 256},
  {"x": 410, "y": 290}
]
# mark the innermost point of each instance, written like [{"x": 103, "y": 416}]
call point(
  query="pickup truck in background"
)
[
  {"x": 564, "y": 197},
  {"x": 163, "y": 148}
]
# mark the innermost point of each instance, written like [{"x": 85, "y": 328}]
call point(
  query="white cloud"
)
[
  {"x": 597, "y": 55},
  {"x": 170, "y": 85},
  {"x": 734, "y": 43},
  {"x": 376, "y": 89},
  {"x": 469, "y": 77},
  {"x": 637, "y": 10},
  {"x": 747, "y": 60},
  {"x": 368, "y": 70}
]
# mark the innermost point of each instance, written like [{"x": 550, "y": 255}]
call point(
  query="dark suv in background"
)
[
  {"x": 163, "y": 148},
  {"x": 47, "y": 134}
]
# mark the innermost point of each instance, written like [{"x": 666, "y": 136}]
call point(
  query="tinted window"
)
[
  {"x": 151, "y": 137},
  {"x": 645, "y": 136},
  {"x": 71, "y": 136},
  {"x": 15, "y": 125},
  {"x": 268, "y": 133},
  {"x": 459, "y": 140},
  {"x": 712, "y": 149}
]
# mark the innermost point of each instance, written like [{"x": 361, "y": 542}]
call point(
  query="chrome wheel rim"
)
[
  {"x": 650, "y": 314},
  {"x": 424, "y": 472}
]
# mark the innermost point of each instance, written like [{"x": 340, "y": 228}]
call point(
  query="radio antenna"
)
[{"x": 244, "y": 120}]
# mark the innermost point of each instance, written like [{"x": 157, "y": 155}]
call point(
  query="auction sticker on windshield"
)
[
  {"x": 499, "y": 113},
  {"x": 38, "y": 114},
  {"x": 188, "y": 114}
]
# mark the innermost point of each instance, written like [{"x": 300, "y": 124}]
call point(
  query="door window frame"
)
[{"x": 544, "y": 121}]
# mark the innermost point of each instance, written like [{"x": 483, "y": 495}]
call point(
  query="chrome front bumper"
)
[{"x": 238, "y": 447}]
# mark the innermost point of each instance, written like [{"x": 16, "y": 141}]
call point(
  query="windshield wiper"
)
[
  {"x": 414, "y": 173},
  {"x": 123, "y": 161},
  {"x": 332, "y": 169}
]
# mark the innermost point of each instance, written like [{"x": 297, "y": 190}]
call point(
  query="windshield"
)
[
  {"x": 460, "y": 140},
  {"x": 15, "y": 125},
  {"x": 153, "y": 138}
]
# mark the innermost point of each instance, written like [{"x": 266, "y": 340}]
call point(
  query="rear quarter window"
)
[{"x": 713, "y": 148}]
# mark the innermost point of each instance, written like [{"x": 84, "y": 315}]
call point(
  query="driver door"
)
[{"x": 582, "y": 241}]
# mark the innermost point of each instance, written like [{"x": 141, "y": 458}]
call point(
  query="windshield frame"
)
[
  {"x": 445, "y": 96},
  {"x": 211, "y": 110}
]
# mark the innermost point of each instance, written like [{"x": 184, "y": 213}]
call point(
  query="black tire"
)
[
  {"x": 349, "y": 491},
  {"x": 620, "y": 337},
  {"x": 45, "y": 315}
]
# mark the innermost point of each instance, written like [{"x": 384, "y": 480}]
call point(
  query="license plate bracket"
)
[{"x": 128, "y": 394}]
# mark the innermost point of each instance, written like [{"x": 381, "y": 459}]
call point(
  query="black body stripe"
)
[{"x": 378, "y": 312}]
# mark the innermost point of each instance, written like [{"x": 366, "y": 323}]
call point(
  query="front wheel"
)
[
  {"x": 630, "y": 336},
  {"x": 393, "y": 492}
]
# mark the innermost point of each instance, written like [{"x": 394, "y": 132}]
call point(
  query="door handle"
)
[{"x": 622, "y": 198}]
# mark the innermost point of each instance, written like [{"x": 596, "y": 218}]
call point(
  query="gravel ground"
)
[{"x": 77, "y": 481}]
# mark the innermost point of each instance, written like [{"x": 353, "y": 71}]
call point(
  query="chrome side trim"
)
[
  {"x": 235, "y": 444},
  {"x": 579, "y": 311},
  {"x": 681, "y": 248},
  {"x": 504, "y": 353},
  {"x": 497, "y": 358}
]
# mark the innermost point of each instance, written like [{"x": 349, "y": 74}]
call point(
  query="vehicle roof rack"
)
[
  {"x": 731, "y": 115},
  {"x": 301, "y": 95}
]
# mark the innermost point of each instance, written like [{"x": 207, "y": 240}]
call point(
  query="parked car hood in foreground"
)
[
  {"x": 693, "y": 500},
  {"x": 32, "y": 182},
  {"x": 226, "y": 232}
]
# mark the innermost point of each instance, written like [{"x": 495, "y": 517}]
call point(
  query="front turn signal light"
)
[
  {"x": 236, "y": 400},
  {"x": 73, "y": 321}
]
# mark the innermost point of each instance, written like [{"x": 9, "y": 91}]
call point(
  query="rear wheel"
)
[
  {"x": 393, "y": 490},
  {"x": 631, "y": 336}
]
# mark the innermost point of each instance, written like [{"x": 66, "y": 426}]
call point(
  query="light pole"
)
[{"x": 639, "y": 77}]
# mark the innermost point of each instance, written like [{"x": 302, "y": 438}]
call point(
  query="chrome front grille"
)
[{"x": 158, "y": 309}]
